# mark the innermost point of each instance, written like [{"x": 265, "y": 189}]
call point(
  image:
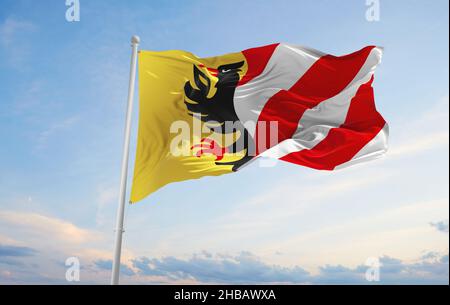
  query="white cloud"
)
[
  {"x": 420, "y": 144},
  {"x": 60, "y": 126},
  {"x": 295, "y": 197},
  {"x": 246, "y": 268},
  {"x": 441, "y": 226},
  {"x": 51, "y": 240},
  {"x": 28, "y": 98},
  {"x": 11, "y": 27},
  {"x": 427, "y": 132},
  {"x": 46, "y": 227},
  {"x": 15, "y": 40},
  {"x": 369, "y": 235},
  {"x": 106, "y": 195}
]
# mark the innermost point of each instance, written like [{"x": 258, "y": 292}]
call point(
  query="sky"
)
[{"x": 62, "y": 110}]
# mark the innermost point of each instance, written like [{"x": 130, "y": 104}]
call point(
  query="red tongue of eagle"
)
[{"x": 212, "y": 71}]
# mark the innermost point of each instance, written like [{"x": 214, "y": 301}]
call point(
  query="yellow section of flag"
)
[{"x": 167, "y": 129}]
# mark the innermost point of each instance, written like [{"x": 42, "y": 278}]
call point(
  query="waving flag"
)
[{"x": 280, "y": 101}]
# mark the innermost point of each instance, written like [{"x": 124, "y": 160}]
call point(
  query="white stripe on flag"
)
[
  {"x": 286, "y": 66},
  {"x": 317, "y": 122}
]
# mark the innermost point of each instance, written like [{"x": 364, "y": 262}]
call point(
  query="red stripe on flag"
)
[
  {"x": 362, "y": 124},
  {"x": 328, "y": 76},
  {"x": 257, "y": 59}
]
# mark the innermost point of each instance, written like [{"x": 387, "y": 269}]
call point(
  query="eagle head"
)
[{"x": 228, "y": 75}]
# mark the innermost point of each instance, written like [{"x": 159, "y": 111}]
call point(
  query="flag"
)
[{"x": 212, "y": 116}]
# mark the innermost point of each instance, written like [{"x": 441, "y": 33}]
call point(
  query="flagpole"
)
[{"x": 123, "y": 178}]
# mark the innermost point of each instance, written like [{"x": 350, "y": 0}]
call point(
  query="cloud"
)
[
  {"x": 54, "y": 239},
  {"x": 58, "y": 127},
  {"x": 106, "y": 195},
  {"x": 107, "y": 265},
  {"x": 420, "y": 144},
  {"x": 12, "y": 257},
  {"x": 427, "y": 132},
  {"x": 282, "y": 202},
  {"x": 51, "y": 227},
  {"x": 427, "y": 270},
  {"x": 245, "y": 268},
  {"x": 15, "y": 40},
  {"x": 11, "y": 27},
  {"x": 441, "y": 226},
  {"x": 15, "y": 251}
]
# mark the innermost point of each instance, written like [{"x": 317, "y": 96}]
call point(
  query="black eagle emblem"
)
[{"x": 219, "y": 108}]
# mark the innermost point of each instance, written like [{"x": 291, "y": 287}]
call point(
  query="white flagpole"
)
[{"x": 123, "y": 179}]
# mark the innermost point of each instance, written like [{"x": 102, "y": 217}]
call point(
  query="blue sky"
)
[{"x": 62, "y": 103}]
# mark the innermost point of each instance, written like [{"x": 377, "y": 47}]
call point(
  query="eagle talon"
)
[{"x": 209, "y": 146}]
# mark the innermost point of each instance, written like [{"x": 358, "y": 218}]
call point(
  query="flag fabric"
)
[{"x": 212, "y": 116}]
